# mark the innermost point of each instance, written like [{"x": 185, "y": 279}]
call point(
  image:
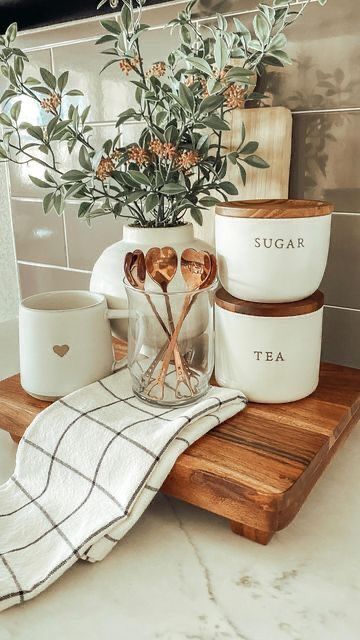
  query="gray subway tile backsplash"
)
[
  {"x": 324, "y": 45},
  {"x": 40, "y": 279},
  {"x": 325, "y": 152},
  {"x": 38, "y": 237},
  {"x": 341, "y": 337},
  {"x": 85, "y": 244},
  {"x": 323, "y": 85},
  {"x": 341, "y": 283}
]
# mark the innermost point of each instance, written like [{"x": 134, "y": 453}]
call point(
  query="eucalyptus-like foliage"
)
[{"x": 179, "y": 161}]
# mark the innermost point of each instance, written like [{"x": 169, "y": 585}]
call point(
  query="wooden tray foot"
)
[
  {"x": 262, "y": 537},
  {"x": 15, "y": 438}
]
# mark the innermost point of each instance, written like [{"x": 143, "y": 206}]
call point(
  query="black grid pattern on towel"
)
[{"x": 80, "y": 549}]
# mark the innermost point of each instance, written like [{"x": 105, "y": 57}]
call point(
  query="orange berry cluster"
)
[
  {"x": 129, "y": 64},
  {"x": 51, "y": 103},
  {"x": 158, "y": 70}
]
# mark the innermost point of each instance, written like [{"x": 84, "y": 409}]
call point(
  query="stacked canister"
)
[{"x": 272, "y": 256}]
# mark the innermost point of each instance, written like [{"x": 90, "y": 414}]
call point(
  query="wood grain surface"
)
[
  {"x": 255, "y": 469},
  {"x": 282, "y": 208},
  {"x": 226, "y": 301},
  {"x": 271, "y": 127}
]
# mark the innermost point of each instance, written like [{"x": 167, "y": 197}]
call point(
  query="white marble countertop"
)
[{"x": 181, "y": 574}]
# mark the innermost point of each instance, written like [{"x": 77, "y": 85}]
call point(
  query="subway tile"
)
[
  {"x": 85, "y": 244},
  {"x": 341, "y": 283},
  {"x": 324, "y": 45},
  {"x": 341, "y": 337},
  {"x": 38, "y": 237},
  {"x": 325, "y": 154},
  {"x": 205, "y": 8},
  {"x": 56, "y": 35},
  {"x": 110, "y": 92},
  {"x": 41, "y": 279}
]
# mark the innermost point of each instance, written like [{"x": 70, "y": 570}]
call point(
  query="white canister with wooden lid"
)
[
  {"x": 272, "y": 250},
  {"x": 269, "y": 351}
]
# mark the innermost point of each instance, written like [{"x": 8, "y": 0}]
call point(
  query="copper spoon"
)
[
  {"x": 196, "y": 268},
  {"x": 161, "y": 265},
  {"x": 135, "y": 272}
]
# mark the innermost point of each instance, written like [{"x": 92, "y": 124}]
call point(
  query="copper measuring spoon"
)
[
  {"x": 161, "y": 266},
  {"x": 135, "y": 272},
  {"x": 197, "y": 268}
]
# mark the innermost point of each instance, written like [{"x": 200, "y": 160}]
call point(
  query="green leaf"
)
[
  {"x": 242, "y": 173},
  {"x": 229, "y": 188},
  {"x": 48, "y": 202},
  {"x": 48, "y": 78},
  {"x": 59, "y": 203},
  {"x": 83, "y": 209},
  {"x": 250, "y": 147},
  {"x": 209, "y": 201},
  {"x": 151, "y": 201},
  {"x": 74, "y": 92},
  {"x": 84, "y": 159},
  {"x": 277, "y": 56},
  {"x": 239, "y": 74},
  {"x": 9, "y": 93},
  {"x": 211, "y": 103},
  {"x": 196, "y": 215},
  {"x": 216, "y": 123},
  {"x": 5, "y": 120},
  {"x": 11, "y": 32},
  {"x": 125, "y": 115},
  {"x": 62, "y": 81},
  {"x": 261, "y": 27},
  {"x": 36, "y": 132},
  {"x": 186, "y": 97},
  {"x": 221, "y": 53},
  {"x": 40, "y": 183},
  {"x": 172, "y": 188},
  {"x": 125, "y": 17},
  {"x": 112, "y": 26},
  {"x": 106, "y": 38},
  {"x": 73, "y": 176},
  {"x": 256, "y": 161},
  {"x": 200, "y": 64},
  {"x": 139, "y": 177}
]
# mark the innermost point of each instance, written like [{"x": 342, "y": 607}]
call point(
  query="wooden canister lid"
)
[
  {"x": 274, "y": 208},
  {"x": 226, "y": 301}
]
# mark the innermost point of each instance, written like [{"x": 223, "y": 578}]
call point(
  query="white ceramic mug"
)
[{"x": 65, "y": 342}]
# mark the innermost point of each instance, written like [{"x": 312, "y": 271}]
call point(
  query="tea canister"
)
[
  {"x": 269, "y": 351},
  {"x": 272, "y": 250}
]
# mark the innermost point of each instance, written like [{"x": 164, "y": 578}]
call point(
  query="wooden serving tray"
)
[{"x": 257, "y": 468}]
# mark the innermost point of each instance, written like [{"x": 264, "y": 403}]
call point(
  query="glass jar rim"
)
[{"x": 185, "y": 292}]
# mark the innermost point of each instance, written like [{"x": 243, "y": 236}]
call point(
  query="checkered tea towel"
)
[{"x": 86, "y": 469}]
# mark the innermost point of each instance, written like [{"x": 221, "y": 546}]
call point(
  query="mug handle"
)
[{"x": 115, "y": 314}]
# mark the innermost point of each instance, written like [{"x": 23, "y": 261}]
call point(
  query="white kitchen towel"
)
[{"x": 86, "y": 469}]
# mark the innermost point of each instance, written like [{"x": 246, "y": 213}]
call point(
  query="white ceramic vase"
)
[{"x": 108, "y": 272}]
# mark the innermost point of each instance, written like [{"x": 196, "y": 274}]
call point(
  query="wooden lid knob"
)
[{"x": 274, "y": 208}]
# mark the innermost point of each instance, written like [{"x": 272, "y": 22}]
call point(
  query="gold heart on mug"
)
[{"x": 61, "y": 349}]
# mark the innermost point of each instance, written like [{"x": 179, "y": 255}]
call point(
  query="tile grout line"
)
[
  {"x": 330, "y": 110},
  {"x": 43, "y": 265},
  {"x": 334, "y": 306}
]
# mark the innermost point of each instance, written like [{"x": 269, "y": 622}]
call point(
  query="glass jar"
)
[{"x": 171, "y": 344}]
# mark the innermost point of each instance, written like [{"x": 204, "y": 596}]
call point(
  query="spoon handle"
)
[{"x": 160, "y": 380}]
